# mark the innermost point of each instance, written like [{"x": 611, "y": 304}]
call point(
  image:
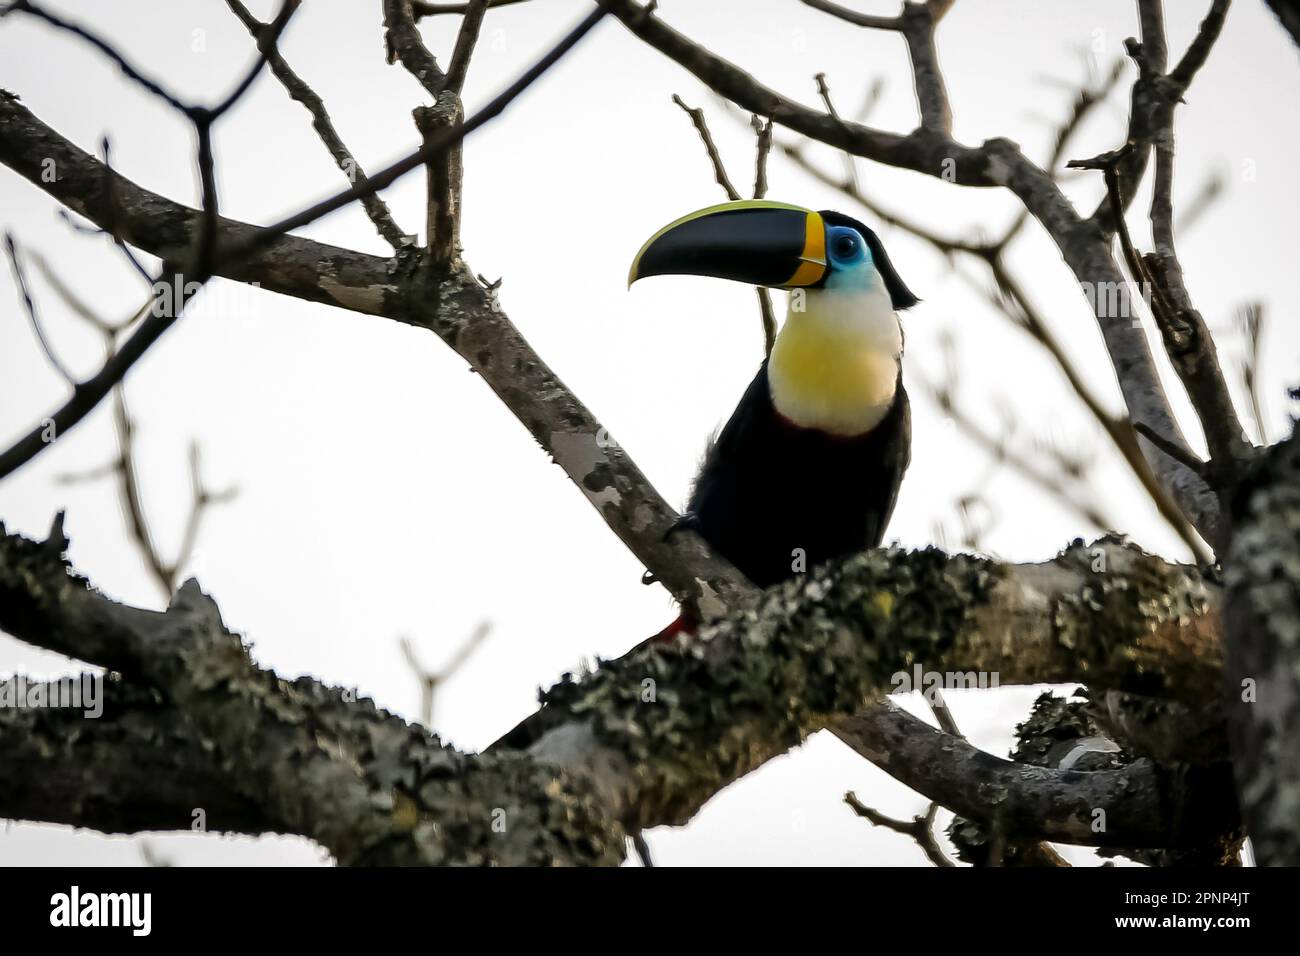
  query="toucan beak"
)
[{"x": 752, "y": 240}]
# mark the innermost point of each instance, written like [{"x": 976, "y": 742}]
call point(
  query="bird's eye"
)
[{"x": 845, "y": 246}]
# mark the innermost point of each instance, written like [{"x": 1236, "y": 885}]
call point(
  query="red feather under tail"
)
[{"x": 684, "y": 624}]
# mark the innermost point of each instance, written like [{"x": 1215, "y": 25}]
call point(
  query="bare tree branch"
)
[
  {"x": 1155, "y": 95},
  {"x": 431, "y": 680},
  {"x": 1288, "y": 15},
  {"x": 252, "y": 241},
  {"x": 1000, "y": 451},
  {"x": 1056, "y": 805},
  {"x": 165, "y": 573},
  {"x": 405, "y": 45},
  {"x": 465, "y": 40},
  {"x": 443, "y": 179},
  {"x": 1187, "y": 340},
  {"x": 29, "y": 303},
  {"x": 916, "y": 23},
  {"x": 858, "y": 19},
  {"x": 199, "y": 114},
  {"x": 423, "y": 9},
  {"x": 763, "y": 148},
  {"x": 920, "y": 829},
  {"x": 1251, "y": 320},
  {"x": 171, "y": 290},
  {"x": 1262, "y": 577},
  {"x": 701, "y": 127},
  {"x": 375, "y": 207},
  {"x": 850, "y": 161}
]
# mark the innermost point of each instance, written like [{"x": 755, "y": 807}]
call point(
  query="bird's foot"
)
[{"x": 687, "y": 521}]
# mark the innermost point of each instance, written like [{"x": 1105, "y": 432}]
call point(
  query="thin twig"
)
[
  {"x": 943, "y": 714},
  {"x": 266, "y": 44},
  {"x": 422, "y": 9},
  {"x": 110, "y": 227},
  {"x": 131, "y": 497},
  {"x": 1026, "y": 467},
  {"x": 1119, "y": 430},
  {"x": 715, "y": 159},
  {"x": 405, "y": 45},
  {"x": 152, "y": 86},
  {"x": 850, "y": 162},
  {"x": 1186, "y": 339},
  {"x": 430, "y": 680},
  {"x": 916, "y": 25},
  {"x": 872, "y": 99},
  {"x": 1210, "y": 190},
  {"x": 298, "y": 89},
  {"x": 857, "y": 19},
  {"x": 1177, "y": 452},
  {"x": 763, "y": 148},
  {"x": 642, "y": 849},
  {"x": 465, "y": 41},
  {"x": 390, "y": 174},
  {"x": 1085, "y": 100},
  {"x": 78, "y": 305},
  {"x": 20, "y": 279},
  {"x": 762, "y": 151},
  {"x": 921, "y": 829},
  {"x": 1251, "y": 319},
  {"x": 275, "y": 28}
]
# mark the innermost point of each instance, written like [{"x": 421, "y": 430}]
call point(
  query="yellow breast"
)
[{"x": 835, "y": 364}]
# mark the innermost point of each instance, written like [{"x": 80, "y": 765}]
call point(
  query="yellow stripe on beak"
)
[{"x": 813, "y": 264}]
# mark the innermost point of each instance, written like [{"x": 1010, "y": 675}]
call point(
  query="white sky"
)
[{"x": 385, "y": 491}]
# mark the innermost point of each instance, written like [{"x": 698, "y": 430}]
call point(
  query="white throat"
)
[{"x": 835, "y": 363}]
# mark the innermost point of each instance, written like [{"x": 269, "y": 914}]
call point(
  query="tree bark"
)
[{"x": 1262, "y": 667}]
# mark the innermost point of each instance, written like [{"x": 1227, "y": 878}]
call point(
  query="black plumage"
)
[{"x": 769, "y": 490}]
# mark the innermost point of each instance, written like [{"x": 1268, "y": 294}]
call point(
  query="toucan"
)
[{"x": 809, "y": 465}]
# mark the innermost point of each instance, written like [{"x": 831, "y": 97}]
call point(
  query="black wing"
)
[{"x": 895, "y": 456}]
